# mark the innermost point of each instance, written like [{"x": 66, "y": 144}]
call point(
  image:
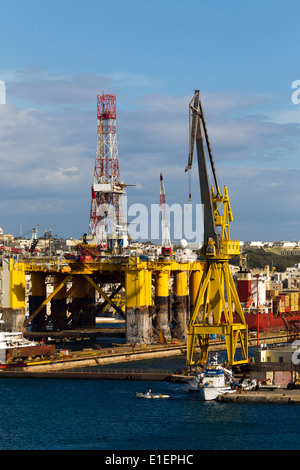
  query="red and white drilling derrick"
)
[
  {"x": 166, "y": 247},
  {"x": 107, "y": 226}
]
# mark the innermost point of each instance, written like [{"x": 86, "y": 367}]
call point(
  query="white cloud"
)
[
  {"x": 47, "y": 156},
  {"x": 39, "y": 87},
  {"x": 2, "y": 92},
  {"x": 286, "y": 116}
]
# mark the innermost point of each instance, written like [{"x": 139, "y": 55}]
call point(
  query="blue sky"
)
[{"x": 57, "y": 55}]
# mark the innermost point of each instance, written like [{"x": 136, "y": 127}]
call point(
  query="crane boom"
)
[
  {"x": 197, "y": 121},
  {"x": 196, "y": 118}
]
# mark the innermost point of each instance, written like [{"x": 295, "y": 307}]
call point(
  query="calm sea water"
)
[{"x": 61, "y": 414}]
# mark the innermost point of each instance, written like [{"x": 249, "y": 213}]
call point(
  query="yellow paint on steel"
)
[
  {"x": 195, "y": 279},
  {"x": 162, "y": 284},
  {"x": 120, "y": 265},
  {"x": 217, "y": 316},
  {"x": 134, "y": 273},
  {"x": 180, "y": 283},
  {"x": 138, "y": 288},
  {"x": 17, "y": 285}
]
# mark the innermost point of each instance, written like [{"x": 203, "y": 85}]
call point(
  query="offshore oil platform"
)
[{"x": 159, "y": 297}]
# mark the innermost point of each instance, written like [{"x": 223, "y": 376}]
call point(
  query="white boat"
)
[
  {"x": 149, "y": 394},
  {"x": 215, "y": 380}
]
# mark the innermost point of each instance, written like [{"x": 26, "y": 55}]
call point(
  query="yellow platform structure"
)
[
  {"x": 148, "y": 286},
  {"x": 156, "y": 293}
]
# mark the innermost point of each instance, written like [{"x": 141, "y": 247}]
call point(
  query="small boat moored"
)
[{"x": 215, "y": 380}]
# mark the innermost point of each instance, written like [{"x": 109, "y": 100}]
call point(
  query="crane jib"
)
[{"x": 196, "y": 139}]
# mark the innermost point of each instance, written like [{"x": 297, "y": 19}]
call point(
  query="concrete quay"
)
[{"x": 278, "y": 396}]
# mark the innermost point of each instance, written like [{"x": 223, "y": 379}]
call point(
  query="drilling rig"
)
[
  {"x": 107, "y": 225},
  {"x": 217, "y": 309}
]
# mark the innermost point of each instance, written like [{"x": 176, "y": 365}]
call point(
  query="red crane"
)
[{"x": 166, "y": 247}]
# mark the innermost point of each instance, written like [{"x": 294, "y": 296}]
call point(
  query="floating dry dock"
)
[
  {"x": 82, "y": 333},
  {"x": 123, "y": 353},
  {"x": 98, "y": 357},
  {"x": 116, "y": 354},
  {"x": 128, "y": 374}
]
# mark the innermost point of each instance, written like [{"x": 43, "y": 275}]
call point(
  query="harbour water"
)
[
  {"x": 62, "y": 414},
  {"x": 105, "y": 415}
]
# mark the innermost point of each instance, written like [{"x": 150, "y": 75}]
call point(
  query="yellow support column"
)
[
  {"x": 17, "y": 284},
  {"x": 195, "y": 279},
  {"x": 82, "y": 297},
  {"x": 58, "y": 305},
  {"x": 13, "y": 296},
  {"x": 180, "y": 305},
  {"x": 161, "y": 321},
  {"x": 138, "y": 297},
  {"x": 37, "y": 297}
]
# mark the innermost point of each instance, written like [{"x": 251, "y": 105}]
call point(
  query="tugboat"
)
[{"x": 215, "y": 380}]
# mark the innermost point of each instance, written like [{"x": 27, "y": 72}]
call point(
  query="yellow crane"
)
[{"x": 217, "y": 309}]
